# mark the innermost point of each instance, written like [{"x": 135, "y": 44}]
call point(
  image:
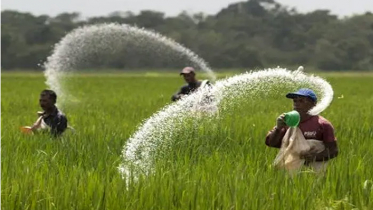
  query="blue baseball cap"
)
[{"x": 303, "y": 92}]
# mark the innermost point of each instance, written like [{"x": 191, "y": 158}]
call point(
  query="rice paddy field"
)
[{"x": 221, "y": 163}]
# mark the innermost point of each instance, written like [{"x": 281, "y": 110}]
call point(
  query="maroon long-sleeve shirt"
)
[{"x": 316, "y": 127}]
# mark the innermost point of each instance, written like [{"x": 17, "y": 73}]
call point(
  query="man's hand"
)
[
  {"x": 280, "y": 122},
  {"x": 178, "y": 96},
  {"x": 37, "y": 124},
  {"x": 310, "y": 155}
]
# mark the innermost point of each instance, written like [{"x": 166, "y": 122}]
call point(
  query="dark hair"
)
[{"x": 52, "y": 95}]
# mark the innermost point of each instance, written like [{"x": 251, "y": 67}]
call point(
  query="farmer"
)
[
  {"x": 193, "y": 83},
  {"x": 312, "y": 127},
  {"x": 51, "y": 117}
]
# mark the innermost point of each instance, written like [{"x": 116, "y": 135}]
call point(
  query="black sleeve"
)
[
  {"x": 183, "y": 90},
  {"x": 59, "y": 126}
]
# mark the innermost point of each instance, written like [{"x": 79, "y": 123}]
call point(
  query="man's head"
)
[
  {"x": 303, "y": 100},
  {"x": 47, "y": 99},
  {"x": 189, "y": 74}
]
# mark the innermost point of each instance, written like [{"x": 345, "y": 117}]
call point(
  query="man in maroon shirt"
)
[{"x": 312, "y": 127}]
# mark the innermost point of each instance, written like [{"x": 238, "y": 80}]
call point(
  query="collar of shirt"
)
[
  {"x": 53, "y": 113},
  {"x": 193, "y": 84},
  {"x": 309, "y": 118}
]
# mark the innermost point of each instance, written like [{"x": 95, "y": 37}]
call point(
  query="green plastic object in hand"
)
[{"x": 292, "y": 118}]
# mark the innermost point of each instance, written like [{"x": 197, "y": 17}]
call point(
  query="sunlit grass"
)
[{"x": 220, "y": 165}]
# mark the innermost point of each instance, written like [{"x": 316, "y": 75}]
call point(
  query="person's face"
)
[
  {"x": 189, "y": 77},
  {"x": 302, "y": 104},
  {"x": 45, "y": 102}
]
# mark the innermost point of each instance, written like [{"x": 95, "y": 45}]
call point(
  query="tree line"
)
[{"x": 251, "y": 34}]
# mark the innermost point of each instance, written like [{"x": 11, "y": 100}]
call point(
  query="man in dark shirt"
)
[
  {"x": 51, "y": 117},
  {"x": 312, "y": 127},
  {"x": 193, "y": 83}
]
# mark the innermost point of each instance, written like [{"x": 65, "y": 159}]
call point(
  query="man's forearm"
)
[
  {"x": 326, "y": 155},
  {"x": 274, "y": 138},
  {"x": 37, "y": 124},
  {"x": 176, "y": 97}
]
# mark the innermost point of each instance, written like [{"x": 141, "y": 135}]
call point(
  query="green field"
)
[{"x": 222, "y": 165}]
